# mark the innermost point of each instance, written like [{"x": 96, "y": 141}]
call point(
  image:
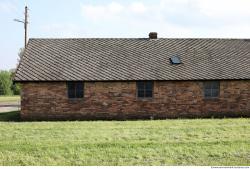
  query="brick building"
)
[{"x": 134, "y": 78}]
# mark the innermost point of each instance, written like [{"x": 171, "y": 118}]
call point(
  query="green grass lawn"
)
[
  {"x": 9, "y": 98},
  {"x": 159, "y": 142}
]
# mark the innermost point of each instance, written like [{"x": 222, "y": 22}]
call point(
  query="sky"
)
[{"x": 119, "y": 18}]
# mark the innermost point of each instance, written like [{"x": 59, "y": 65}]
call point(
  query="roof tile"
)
[{"x": 101, "y": 59}]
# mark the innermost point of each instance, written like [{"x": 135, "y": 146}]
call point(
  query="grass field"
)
[
  {"x": 9, "y": 98},
  {"x": 159, "y": 142}
]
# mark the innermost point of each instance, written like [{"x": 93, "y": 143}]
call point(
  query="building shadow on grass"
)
[{"x": 13, "y": 116}]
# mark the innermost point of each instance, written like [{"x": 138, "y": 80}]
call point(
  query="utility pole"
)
[
  {"x": 25, "y": 25},
  {"x": 25, "y": 22}
]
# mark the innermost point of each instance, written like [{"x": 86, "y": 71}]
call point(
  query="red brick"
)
[{"x": 117, "y": 100}]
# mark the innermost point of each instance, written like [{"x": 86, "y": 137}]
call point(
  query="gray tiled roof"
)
[{"x": 101, "y": 59}]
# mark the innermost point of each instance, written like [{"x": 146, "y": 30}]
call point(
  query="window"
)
[
  {"x": 145, "y": 89},
  {"x": 212, "y": 89},
  {"x": 75, "y": 89},
  {"x": 175, "y": 60}
]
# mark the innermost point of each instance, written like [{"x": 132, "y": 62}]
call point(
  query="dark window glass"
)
[
  {"x": 79, "y": 90},
  {"x": 75, "y": 89},
  {"x": 140, "y": 93},
  {"x": 211, "y": 89},
  {"x": 71, "y": 90},
  {"x": 148, "y": 93},
  {"x": 145, "y": 89},
  {"x": 140, "y": 85},
  {"x": 207, "y": 92},
  {"x": 148, "y": 86}
]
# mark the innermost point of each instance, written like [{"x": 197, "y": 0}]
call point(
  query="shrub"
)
[
  {"x": 16, "y": 89},
  {"x": 5, "y": 83}
]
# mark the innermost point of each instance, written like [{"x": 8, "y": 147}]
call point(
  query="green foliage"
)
[
  {"x": 16, "y": 89},
  {"x": 7, "y": 87},
  {"x": 5, "y": 83},
  {"x": 158, "y": 142}
]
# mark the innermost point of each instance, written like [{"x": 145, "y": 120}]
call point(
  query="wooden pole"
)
[
  {"x": 25, "y": 23},
  {"x": 25, "y": 26}
]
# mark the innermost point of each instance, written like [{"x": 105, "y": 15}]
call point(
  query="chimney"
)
[{"x": 152, "y": 35}]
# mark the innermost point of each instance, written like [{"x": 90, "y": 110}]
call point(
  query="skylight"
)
[{"x": 175, "y": 60}]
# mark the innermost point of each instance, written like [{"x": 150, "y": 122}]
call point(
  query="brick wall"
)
[{"x": 117, "y": 100}]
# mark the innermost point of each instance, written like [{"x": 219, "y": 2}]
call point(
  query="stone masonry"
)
[{"x": 117, "y": 100}]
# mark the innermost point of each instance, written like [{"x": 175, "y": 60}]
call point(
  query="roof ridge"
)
[
  {"x": 79, "y": 38},
  {"x": 140, "y": 38}
]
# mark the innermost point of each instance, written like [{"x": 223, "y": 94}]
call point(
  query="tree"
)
[
  {"x": 5, "y": 83},
  {"x": 15, "y": 87},
  {"x": 20, "y": 54},
  {"x": 7, "y": 87}
]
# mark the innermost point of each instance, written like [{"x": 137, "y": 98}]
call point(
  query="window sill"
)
[
  {"x": 212, "y": 99},
  {"x": 75, "y": 99},
  {"x": 144, "y": 99}
]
